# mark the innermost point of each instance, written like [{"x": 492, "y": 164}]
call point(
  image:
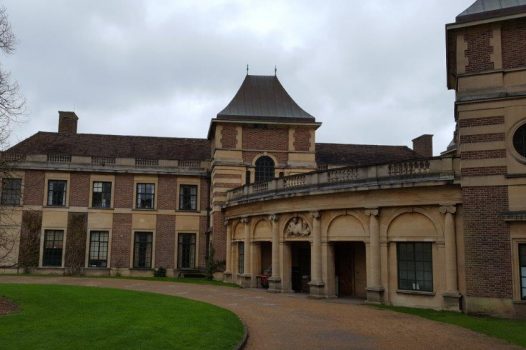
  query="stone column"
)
[
  {"x": 274, "y": 282},
  {"x": 246, "y": 280},
  {"x": 228, "y": 267},
  {"x": 375, "y": 290},
  {"x": 316, "y": 284},
  {"x": 451, "y": 296}
]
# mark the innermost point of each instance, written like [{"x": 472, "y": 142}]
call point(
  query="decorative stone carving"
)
[
  {"x": 315, "y": 215},
  {"x": 296, "y": 227},
  {"x": 371, "y": 212},
  {"x": 273, "y": 218},
  {"x": 451, "y": 209},
  {"x": 244, "y": 220},
  {"x": 225, "y": 222}
]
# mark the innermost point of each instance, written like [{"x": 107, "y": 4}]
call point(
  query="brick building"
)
[{"x": 386, "y": 223}]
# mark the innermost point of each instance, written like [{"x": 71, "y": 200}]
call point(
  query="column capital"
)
[
  {"x": 226, "y": 222},
  {"x": 448, "y": 209},
  {"x": 372, "y": 211},
  {"x": 315, "y": 215},
  {"x": 273, "y": 218},
  {"x": 244, "y": 220}
]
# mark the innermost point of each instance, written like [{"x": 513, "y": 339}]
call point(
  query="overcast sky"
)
[{"x": 373, "y": 72}]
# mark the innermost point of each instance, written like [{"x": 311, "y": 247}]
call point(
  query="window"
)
[
  {"x": 519, "y": 140},
  {"x": 56, "y": 193},
  {"x": 415, "y": 266},
  {"x": 11, "y": 191},
  {"x": 241, "y": 257},
  {"x": 145, "y": 196},
  {"x": 98, "y": 249},
  {"x": 101, "y": 195},
  {"x": 142, "y": 251},
  {"x": 188, "y": 197},
  {"x": 522, "y": 263},
  {"x": 186, "y": 253},
  {"x": 53, "y": 245},
  {"x": 264, "y": 169}
]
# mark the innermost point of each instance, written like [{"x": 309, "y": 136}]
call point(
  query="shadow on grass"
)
[{"x": 512, "y": 331}]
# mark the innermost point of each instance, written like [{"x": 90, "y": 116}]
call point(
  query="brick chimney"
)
[
  {"x": 67, "y": 122},
  {"x": 423, "y": 145}
]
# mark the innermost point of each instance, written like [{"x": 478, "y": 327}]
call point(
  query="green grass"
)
[
  {"x": 71, "y": 317},
  {"x": 512, "y": 331}
]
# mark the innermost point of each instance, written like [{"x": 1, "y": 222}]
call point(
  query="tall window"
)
[
  {"x": 522, "y": 263},
  {"x": 188, "y": 197},
  {"x": 56, "y": 193},
  {"x": 145, "y": 196},
  {"x": 53, "y": 245},
  {"x": 142, "y": 251},
  {"x": 264, "y": 169},
  {"x": 11, "y": 191},
  {"x": 241, "y": 257},
  {"x": 415, "y": 266},
  {"x": 186, "y": 253},
  {"x": 101, "y": 195},
  {"x": 98, "y": 249}
]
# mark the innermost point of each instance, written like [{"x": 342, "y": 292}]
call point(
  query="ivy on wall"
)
[
  {"x": 30, "y": 240},
  {"x": 76, "y": 243}
]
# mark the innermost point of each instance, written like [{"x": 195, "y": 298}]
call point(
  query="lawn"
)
[
  {"x": 70, "y": 317},
  {"x": 513, "y": 331}
]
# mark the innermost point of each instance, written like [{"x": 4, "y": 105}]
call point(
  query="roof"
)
[
  {"x": 361, "y": 155},
  {"x": 484, "y": 9},
  {"x": 114, "y": 146},
  {"x": 263, "y": 98}
]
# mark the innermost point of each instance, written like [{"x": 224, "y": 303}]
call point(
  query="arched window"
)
[
  {"x": 264, "y": 169},
  {"x": 519, "y": 140}
]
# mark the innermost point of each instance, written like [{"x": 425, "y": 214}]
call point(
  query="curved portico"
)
[{"x": 387, "y": 233}]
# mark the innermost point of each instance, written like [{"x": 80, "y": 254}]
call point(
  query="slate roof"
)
[
  {"x": 97, "y": 145},
  {"x": 484, "y": 9},
  {"x": 361, "y": 155},
  {"x": 262, "y": 97}
]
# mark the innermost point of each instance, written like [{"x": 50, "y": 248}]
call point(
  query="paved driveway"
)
[{"x": 282, "y": 321}]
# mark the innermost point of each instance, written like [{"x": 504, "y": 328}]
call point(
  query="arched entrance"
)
[
  {"x": 300, "y": 266},
  {"x": 350, "y": 268}
]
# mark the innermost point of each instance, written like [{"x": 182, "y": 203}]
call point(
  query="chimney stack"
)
[
  {"x": 423, "y": 145},
  {"x": 67, "y": 123}
]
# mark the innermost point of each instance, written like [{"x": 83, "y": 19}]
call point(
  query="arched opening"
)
[{"x": 264, "y": 169}]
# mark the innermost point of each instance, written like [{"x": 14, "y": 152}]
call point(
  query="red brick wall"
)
[
  {"x": 123, "y": 191},
  {"x": 204, "y": 194},
  {"x": 496, "y": 153},
  {"x": 482, "y": 138},
  {"x": 28, "y": 253},
  {"x": 165, "y": 242},
  {"x": 487, "y": 242},
  {"x": 270, "y": 139},
  {"x": 121, "y": 240},
  {"x": 484, "y": 171},
  {"x": 248, "y": 157},
  {"x": 219, "y": 236},
  {"x": 79, "y": 190},
  {"x": 229, "y": 136},
  {"x": 513, "y": 43},
  {"x": 167, "y": 192},
  {"x": 34, "y": 187},
  {"x": 467, "y": 123},
  {"x": 76, "y": 240},
  {"x": 302, "y": 139},
  {"x": 479, "y": 49},
  {"x": 203, "y": 227}
]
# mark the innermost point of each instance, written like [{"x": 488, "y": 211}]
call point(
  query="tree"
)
[{"x": 11, "y": 108}]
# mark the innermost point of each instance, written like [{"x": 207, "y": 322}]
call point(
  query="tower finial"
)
[
  {"x": 247, "y": 68},
  {"x": 275, "y": 70}
]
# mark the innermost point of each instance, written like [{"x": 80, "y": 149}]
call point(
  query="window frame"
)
[
  {"x": 182, "y": 197},
  {"x": 192, "y": 246},
  {"x": 264, "y": 172},
  {"x": 9, "y": 193},
  {"x": 426, "y": 260},
  {"x": 522, "y": 276},
  {"x": 136, "y": 255},
  {"x": 90, "y": 245},
  {"x": 241, "y": 257},
  {"x": 139, "y": 194},
  {"x": 45, "y": 251},
  {"x": 50, "y": 192},
  {"x": 103, "y": 194}
]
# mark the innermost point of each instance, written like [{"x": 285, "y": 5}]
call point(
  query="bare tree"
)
[{"x": 11, "y": 108}]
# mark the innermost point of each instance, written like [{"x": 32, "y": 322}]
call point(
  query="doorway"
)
[
  {"x": 300, "y": 266},
  {"x": 350, "y": 268}
]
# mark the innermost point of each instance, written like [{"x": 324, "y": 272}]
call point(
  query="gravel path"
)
[{"x": 283, "y": 321}]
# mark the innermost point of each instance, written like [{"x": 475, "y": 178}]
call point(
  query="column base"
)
[
  {"x": 452, "y": 301},
  {"x": 227, "y": 277},
  {"x": 375, "y": 295},
  {"x": 246, "y": 280},
  {"x": 316, "y": 289},
  {"x": 274, "y": 285}
]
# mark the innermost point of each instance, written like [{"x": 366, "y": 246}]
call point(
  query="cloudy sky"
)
[{"x": 372, "y": 71}]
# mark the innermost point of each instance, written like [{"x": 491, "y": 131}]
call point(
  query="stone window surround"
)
[
  {"x": 88, "y": 239},
  {"x": 102, "y": 178},
  {"x": 64, "y": 242}
]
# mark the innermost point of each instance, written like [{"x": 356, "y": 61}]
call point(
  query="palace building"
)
[{"x": 388, "y": 224}]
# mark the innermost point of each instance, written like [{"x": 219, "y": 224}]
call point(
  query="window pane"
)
[
  {"x": 188, "y": 197},
  {"x": 56, "y": 193},
  {"x": 264, "y": 169},
  {"x": 522, "y": 263},
  {"x": 52, "y": 255},
  {"x": 11, "y": 191},
  {"x": 98, "y": 254},
  {"x": 415, "y": 268},
  {"x": 186, "y": 252},
  {"x": 142, "y": 257},
  {"x": 145, "y": 196},
  {"x": 241, "y": 257}
]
